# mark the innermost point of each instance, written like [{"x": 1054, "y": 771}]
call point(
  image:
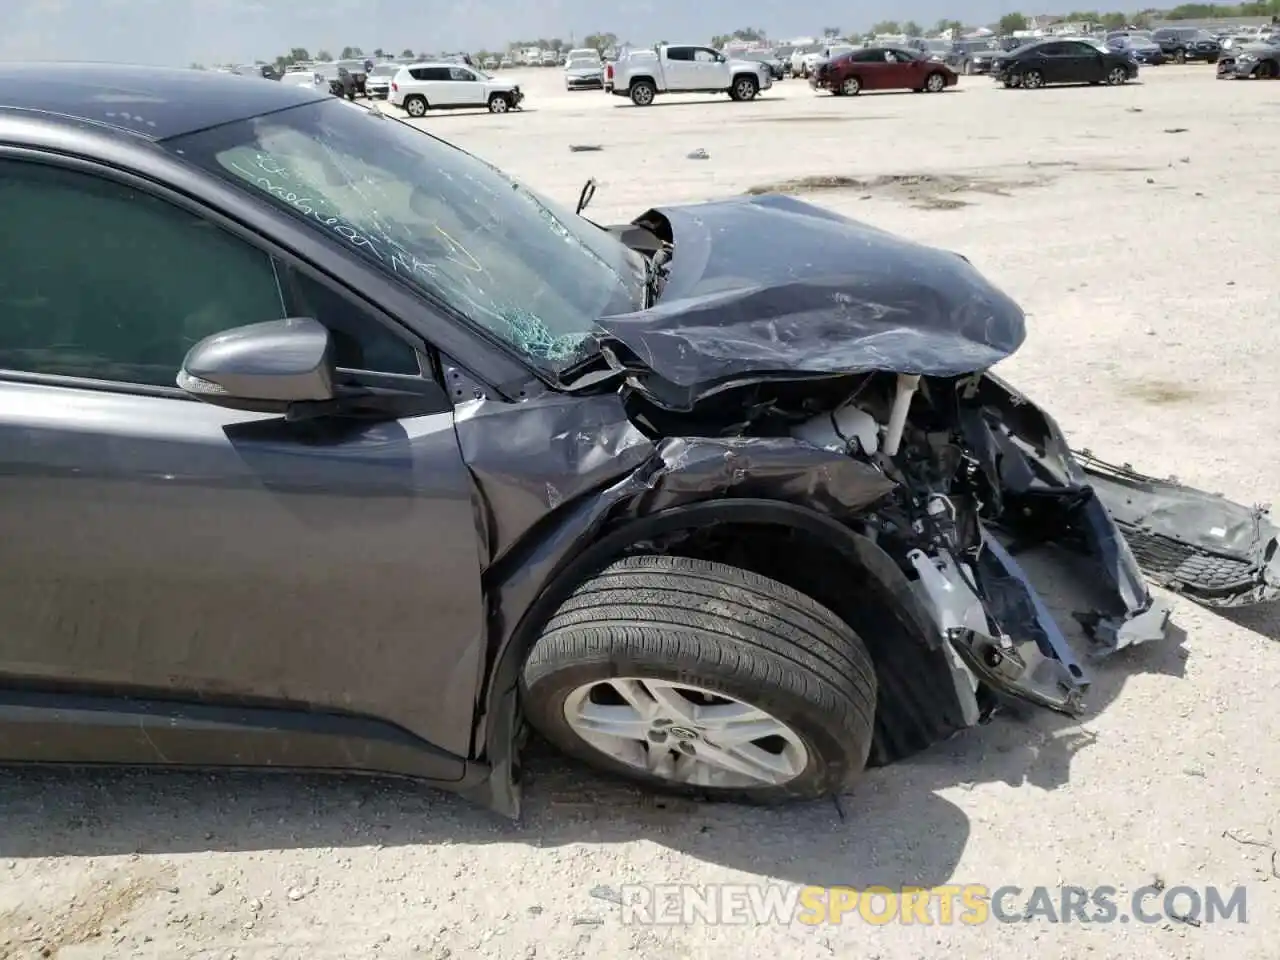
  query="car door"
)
[
  {"x": 904, "y": 71},
  {"x": 1053, "y": 60},
  {"x": 159, "y": 547},
  {"x": 679, "y": 70},
  {"x": 468, "y": 90},
  {"x": 712, "y": 69},
  {"x": 869, "y": 66},
  {"x": 1084, "y": 63}
]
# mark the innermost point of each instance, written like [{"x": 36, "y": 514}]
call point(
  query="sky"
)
[{"x": 180, "y": 32}]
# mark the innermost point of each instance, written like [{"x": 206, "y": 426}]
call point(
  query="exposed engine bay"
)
[
  {"x": 843, "y": 395},
  {"x": 977, "y": 471}
]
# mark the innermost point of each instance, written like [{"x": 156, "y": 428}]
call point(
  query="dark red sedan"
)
[{"x": 882, "y": 68}]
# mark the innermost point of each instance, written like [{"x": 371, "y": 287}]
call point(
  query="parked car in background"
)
[
  {"x": 1236, "y": 40},
  {"x": 1259, "y": 60},
  {"x": 420, "y": 87},
  {"x": 1139, "y": 48},
  {"x": 307, "y": 77},
  {"x": 678, "y": 68},
  {"x": 1052, "y": 61},
  {"x": 359, "y": 71},
  {"x": 549, "y": 58},
  {"x": 264, "y": 71},
  {"x": 972, "y": 56},
  {"x": 778, "y": 68},
  {"x": 803, "y": 57},
  {"x": 504, "y": 63},
  {"x": 377, "y": 84},
  {"x": 1113, "y": 34},
  {"x": 490, "y": 63},
  {"x": 341, "y": 83},
  {"x": 882, "y": 68},
  {"x": 937, "y": 49},
  {"x": 1186, "y": 44},
  {"x": 584, "y": 71}
]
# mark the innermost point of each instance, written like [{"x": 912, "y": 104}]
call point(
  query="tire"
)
[
  {"x": 729, "y": 633},
  {"x": 1179, "y": 56},
  {"x": 850, "y": 87},
  {"x": 499, "y": 103},
  {"x": 1032, "y": 80},
  {"x": 415, "y": 105},
  {"x": 968, "y": 68},
  {"x": 744, "y": 89},
  {"x": 642, "y": 93},
  {"x": 1117, "y": 76},
  {"x": 935, "y": 83}
]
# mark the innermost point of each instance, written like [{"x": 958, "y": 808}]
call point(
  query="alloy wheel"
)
[{"x": 685, "y": 734}]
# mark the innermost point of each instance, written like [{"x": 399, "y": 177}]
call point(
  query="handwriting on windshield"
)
[{"x": 267, "y": 167}]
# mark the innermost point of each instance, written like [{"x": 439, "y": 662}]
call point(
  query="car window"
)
[
  {"x": 704, "y": 56},
  {"x": 430, "y": 216},
  {"x": 868, "y": 56},
  {"x": 115, "y": 284},
  {"x": 102, "y": 282},
  {"x": 1055, "y": 50},
  {"x": 459, "y": 73},
  {"x": 680, "y": 53},
  {"x": 1084, "y": 49}
]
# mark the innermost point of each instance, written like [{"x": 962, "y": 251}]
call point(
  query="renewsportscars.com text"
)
[{"x": 953, "y": 904}]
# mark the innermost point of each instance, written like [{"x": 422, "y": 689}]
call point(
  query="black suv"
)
[{"x": 1187, "y": 43}]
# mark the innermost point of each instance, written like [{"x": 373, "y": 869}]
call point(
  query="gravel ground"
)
[{"x": 1137, "y": 226}]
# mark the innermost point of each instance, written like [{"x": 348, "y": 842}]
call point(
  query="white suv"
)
[{"x": 419, "y": 87}]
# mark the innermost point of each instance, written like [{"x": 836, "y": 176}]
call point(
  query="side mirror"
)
[{"x": 272, "y": 367}]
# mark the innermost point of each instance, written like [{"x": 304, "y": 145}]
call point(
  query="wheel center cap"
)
[{"x": 683, "y": 733}]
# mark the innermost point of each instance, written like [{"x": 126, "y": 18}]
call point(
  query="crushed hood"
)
[{"x": 772, "y": 286}]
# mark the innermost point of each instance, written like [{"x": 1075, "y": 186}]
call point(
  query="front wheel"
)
[
  {"x": 700, "y": 678},
  {"x": 744, "y": 89},
  {"x": 1117, "y": 76},
  {"x": 936, "y": 83},
  {"x": 850, "y": 87},
  {"x": 1179, "y": 56},
  {"x": 415, "y": 106},
  {"x": 968, "y": 68},
  {"x": 1032, "y": 80},
  {"x": 499, "y": 103}
]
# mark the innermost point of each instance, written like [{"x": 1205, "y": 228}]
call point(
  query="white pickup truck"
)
[{"x": 671, "y": 68}]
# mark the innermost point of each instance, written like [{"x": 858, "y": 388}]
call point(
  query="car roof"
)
[
  {"x": 153, "y": 102},
  {"x": 431, "y": 63}
]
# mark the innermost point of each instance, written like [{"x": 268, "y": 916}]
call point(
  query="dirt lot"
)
[{"x": 1137, "y": 226}]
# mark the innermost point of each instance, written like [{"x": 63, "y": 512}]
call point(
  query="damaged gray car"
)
[{"x": 464, "y": 462}]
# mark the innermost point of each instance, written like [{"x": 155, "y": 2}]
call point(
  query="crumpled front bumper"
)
[{"x": 1008, "y": 637}]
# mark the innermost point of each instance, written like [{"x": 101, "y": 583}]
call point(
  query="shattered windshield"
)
[{"x": 506, "y": 259}]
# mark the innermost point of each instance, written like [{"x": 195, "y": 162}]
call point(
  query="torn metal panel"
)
[
  {"x": 528, "y": 459},
  {"x": 847, "y": 298},
  {"x": 1213, "y": 551},
  {"x": 1045, "y": 497}
]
